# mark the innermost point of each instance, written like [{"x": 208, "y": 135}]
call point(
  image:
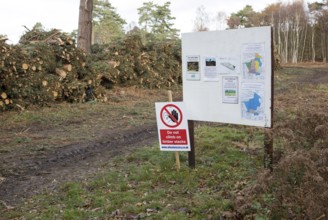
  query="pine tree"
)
[{"x": 108, "y": 24}]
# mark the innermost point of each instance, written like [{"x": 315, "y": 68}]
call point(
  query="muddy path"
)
[{"x": 45, "y": 171}]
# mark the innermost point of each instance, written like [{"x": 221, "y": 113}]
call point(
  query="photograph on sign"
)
[
  {"x": 193, "y": 68},
  {"x": 230, "y": 89},
  {"x": 252, "y": 101},
  {"x": 172, "y": 126},
  {"x": 229, "y": 65},
  {"x": 210, "y": 69},
  {"x": 253, "y": 61}
]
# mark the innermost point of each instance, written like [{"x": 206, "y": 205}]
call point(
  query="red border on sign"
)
[{"x": 177, "y": 122}]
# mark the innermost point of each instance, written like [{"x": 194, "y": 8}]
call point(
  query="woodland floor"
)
[{"x": 44, "y": 147}]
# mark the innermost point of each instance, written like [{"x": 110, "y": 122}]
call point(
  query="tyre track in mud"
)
[{"x": 74, "y": 162}]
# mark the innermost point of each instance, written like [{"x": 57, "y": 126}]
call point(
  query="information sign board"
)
[{"x": 227, "y": 76}]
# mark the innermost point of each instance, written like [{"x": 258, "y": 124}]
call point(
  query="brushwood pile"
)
[{"x": 46, "y": 67}]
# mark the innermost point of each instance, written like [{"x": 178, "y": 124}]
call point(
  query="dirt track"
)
[{"x": 69, "y": 163}]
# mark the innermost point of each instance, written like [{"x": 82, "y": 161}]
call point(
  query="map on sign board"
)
[
  {"x": 252, "y": 100},
  {"x": 253, "y": 61}
]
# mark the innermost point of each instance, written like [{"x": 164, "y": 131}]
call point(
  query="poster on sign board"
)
[
  {"x": 210, "y": 69},
  {"x": 230, "y": 89},
  {"x": 193, "y": 68}
]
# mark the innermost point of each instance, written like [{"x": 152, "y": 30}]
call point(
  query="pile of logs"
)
[
  {"x": 4, "y": 100},
  {"x": 131, "y": 62},
  {"x": 45, "y": 67}
]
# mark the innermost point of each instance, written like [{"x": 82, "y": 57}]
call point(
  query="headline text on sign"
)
[{"x": 174, "y": 137}]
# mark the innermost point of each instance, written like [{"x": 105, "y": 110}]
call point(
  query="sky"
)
[{"x": 63, "y": 14}]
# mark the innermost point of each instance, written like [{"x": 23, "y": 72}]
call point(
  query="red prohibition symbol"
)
[{"x": 171, "y": 115}]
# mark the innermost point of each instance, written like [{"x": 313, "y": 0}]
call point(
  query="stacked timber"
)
[
  {"x": 131, "y": 62},
  {"x": 45, "y": 67}
]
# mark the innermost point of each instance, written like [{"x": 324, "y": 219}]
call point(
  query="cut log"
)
[
  {"x": 62, "y": 73},
  {"x": 44, "y": 83},
  {"x": 68, "y": 67},
  {"x": 4, "y": 95},
  {"x": 69, "y": 42},
  {"x": 55, "y": 94},
  {"x": 25, "y": 66},
  {"x": 7, "y": 101}
]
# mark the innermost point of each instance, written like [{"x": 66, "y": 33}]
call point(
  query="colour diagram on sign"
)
[
  {"x": 252, "y": 99},
  {"x": 253, "y": 61}
]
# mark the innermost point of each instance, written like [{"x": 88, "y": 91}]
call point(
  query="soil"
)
[
  {"x": 73, "y": 162},
  {"x": 40, "y": 156}
]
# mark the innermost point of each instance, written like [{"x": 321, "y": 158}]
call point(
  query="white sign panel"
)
[
  {"x": 172, "y": 125},
  {"x": 233, "y": 81}
]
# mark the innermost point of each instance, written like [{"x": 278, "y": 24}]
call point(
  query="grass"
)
[{"x": 147, "y": 184}]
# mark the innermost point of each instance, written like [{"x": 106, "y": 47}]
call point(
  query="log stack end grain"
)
[{"x": 45, "y": 67}]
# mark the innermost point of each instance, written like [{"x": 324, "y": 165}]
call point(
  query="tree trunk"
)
[
  {"x": 304, "y": 42},
  {"x": 85, "y": 25},
  {"x": 312, "y": 44}
]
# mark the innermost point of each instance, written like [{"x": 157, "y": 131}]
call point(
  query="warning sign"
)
[
  {"x": 171, "y": 115},
  {"x": 172, "y": 126}
]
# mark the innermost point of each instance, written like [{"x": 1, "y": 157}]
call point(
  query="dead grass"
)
[
  {"x": 298, "y": 187},
  {"x": 307, "y": 65}
]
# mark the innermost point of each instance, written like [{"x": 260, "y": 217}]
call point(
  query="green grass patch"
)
[{"x": 146, "y": 184}]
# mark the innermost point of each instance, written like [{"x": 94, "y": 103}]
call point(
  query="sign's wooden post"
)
[
  {"x": 268, "y": 132},
  {"x": 268, "y": 149},
  {"x": 191, "y": 153},
  {"x": 177, "y": 157}
]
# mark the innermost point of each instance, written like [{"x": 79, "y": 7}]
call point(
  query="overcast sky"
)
[{"x": 63, "y": 14}]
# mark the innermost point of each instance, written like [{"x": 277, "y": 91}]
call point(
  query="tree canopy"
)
[
  {"x": 107, "y": 23},
  {"x": 157, "y": 20},
  {"x": 246, "y": 17}
]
